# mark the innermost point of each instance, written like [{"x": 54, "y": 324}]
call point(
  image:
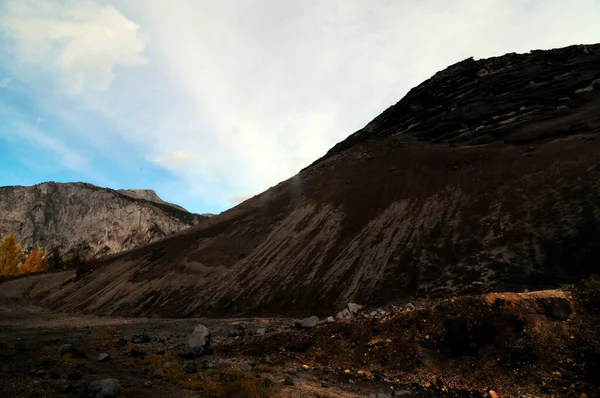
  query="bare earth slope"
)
[
  {"x": 484, "y": 178},
  {"x": 68, "y": 214}
]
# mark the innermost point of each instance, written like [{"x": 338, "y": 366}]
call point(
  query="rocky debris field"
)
[{"x": 535, "y": 344}]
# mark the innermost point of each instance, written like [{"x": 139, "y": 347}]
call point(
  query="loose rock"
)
[
  {"x": 344, "y": 314},
  {"x": 140, "y": 339},
  {"x": 288, "y": 381},
  {"x": 354, "y": 308},
  {"x": 190, "y": 367},
  {"x": 103, "y": 357},
  {"x": 307, "y": 323},
  {"x": 105, "y": 388},
  {"x": 147, "y": 384},
  {"x": 199, "y": 342},
  {"x": 557, "y": 308},
  {"x": 65, "y": 349}
]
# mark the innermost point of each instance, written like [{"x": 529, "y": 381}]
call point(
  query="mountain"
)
[
  {"x": 486, "y": 177},
  {"x": 102, "y": 220}
]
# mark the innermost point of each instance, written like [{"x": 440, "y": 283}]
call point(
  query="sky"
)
[{"x": 212, "y": 102}]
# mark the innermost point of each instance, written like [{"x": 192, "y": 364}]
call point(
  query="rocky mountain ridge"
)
[
  {"x": 484, "y": 178},
  {"x": 105, "y": 221}
]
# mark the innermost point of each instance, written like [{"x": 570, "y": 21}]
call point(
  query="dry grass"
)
[
  {"x": 107, "y": 339},
  {"x": 219, "y": 382},
  {"x": 229, "y": 382}
]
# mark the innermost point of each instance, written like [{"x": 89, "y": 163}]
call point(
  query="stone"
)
[
  {"x": 409, "y": 307},
  {"x": 557, "y": 308},
  {"x": 140, "y": 339},
  {"x": 41, "y": 373},
  {"x": 158, "y": 373},
  {"x": 74, "y": 376},
  {"x": 251, "y": 363},
  {"x": 288, "y": 381},
  {"x": 325, "y": 384},
  {"x": 147, "y": 384},
  {"x": 354, "y": 308},
  {"x": 167, "y": 365},
  {"x": 65, "y": 349},
  {"x": 136, "y": 353},
  {"x": 104, "y": 357},
  {"x": 261, "y": 331},
  {"x": 105, "y": 388},
  {"x": 306, "y": 323},
  {"x": 403, "y": 393},
  {"x": 327, "y": 320},
  {"x": 199, "y": 342},
  {"x": 384, "y": 395},
  {"x": 190, "y": 367},
  {"x": 344, "y": 314}
]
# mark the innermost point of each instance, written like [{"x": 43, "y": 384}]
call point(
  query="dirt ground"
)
[
  {"x": 30, "y": 337},
  {"x": 534, "y": 344}
]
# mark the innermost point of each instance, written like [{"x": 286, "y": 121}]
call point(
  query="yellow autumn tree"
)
[
  {"x": 33, "y": 263},
  {"x": 11, "y": 255}
]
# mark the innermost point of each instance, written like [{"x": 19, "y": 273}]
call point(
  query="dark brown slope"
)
[{"x": 486, "y": 173}]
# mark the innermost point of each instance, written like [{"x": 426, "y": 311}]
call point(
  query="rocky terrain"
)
[
  {"x": 526, "y": 345},
  {"x": 484, "y": 178},
  {"x": 66, "y": 215}
]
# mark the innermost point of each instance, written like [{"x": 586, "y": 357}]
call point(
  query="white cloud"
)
[
  {"x": 81, "y": 39},
  {"x": 239, "y": 95}
]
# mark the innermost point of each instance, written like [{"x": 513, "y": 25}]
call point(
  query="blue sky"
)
[{"x": 209, "y": 102}]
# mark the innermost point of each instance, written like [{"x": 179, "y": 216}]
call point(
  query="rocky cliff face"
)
[
  {"x": 67, "y": 215},
  {"x": 486, "y": 177}
]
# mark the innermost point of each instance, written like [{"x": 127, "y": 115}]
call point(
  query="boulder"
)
[
  {"x": 190, "y": 367},
  {"x": 103, "y": 357},
  {"x": 288, "y": 381},
  {"x": 307, "y": 323},
  {"x": 354, "y": 308},
  {"x": 261, "y": 331},
  {"x": 344, "y": 314},
  {"x": 65, "y": 349},
  {"x": 557, "y": 308},
  {"x": 105, "y": 388},
  {"x": 140, "y": 339},
  {"x": 199, "y": 342},
  {"x": 327, "y": 320}
]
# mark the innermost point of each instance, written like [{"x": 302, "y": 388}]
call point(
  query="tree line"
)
[{"x": 15, "y": 261}]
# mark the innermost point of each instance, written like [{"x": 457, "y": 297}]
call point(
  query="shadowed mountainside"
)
[{"x": 485, "y": 177}]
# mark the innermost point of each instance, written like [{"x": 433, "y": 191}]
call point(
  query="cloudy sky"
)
[{"x": 209, "y": 102}]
